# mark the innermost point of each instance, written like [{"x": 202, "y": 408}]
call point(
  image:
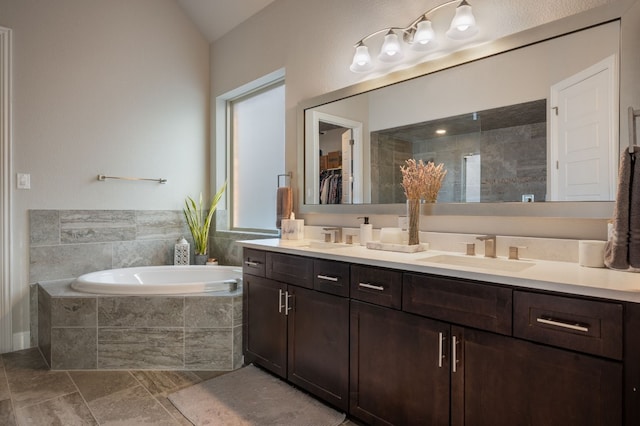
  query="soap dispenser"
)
[{"x": 366, "y": 231}]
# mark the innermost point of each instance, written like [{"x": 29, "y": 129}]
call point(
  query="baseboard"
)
[{"x": 21, "y": 340}]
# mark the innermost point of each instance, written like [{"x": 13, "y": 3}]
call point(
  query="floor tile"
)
[
  {"x": 32, "y": 387},
  {"x": 67, "y": 410},
  {"x": 163, "y": 382},
  {"x": 28, "y": 359},
  {"x": 133, "y": 406},
  {"x": 97, "y": 384},
  {"x": 7, "y": 417}
]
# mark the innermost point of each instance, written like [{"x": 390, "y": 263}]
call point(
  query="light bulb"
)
[
  {"x": 391, "y": 51},
  {"x": 463, "y": 24},
  {"x": 425, "y": 37},
  {"x": 361, "y": 59},
  {"x": 424, "y": 32}
]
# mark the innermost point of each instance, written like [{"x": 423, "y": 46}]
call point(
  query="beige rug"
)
[{"x": 250, "y": 396}]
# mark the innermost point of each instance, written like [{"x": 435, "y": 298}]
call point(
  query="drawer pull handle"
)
[
  {"x": 250, "y": 263},
  {"x": 371, "y": 286},
  {"x": 560, "y": 323},
  {"x": 280, "y": 305},
  {"x": 327, "y": 278}
]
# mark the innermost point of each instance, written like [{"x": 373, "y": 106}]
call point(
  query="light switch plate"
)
[{"x": 24, "y": 181}]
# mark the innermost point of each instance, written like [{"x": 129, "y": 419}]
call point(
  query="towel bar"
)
[
  {"x": 103, "y": 178},
  {"x": 285, "y": 175},
  {"x": 633, "y": 113}
]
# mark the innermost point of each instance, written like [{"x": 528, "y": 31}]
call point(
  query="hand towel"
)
[
  {"x": 284, "y": 205},
  {"x": 616, "y": 252}
]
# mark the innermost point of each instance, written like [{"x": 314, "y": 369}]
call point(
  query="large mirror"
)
[{"x": 528, "y": 106}]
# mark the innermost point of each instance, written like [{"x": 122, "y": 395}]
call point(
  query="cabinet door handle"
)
[
  {"x": 563, "y": 323},
  {"x": 250, "y": 263},
  {"x": 287, "y": 308},
  {"x": 441, "y": 339},
  {"x": 280, "y": 305},
  {"x": 371, "y": 286},
  {"x": 454, "y": 354},
  {"x": 327, "y": 278}
]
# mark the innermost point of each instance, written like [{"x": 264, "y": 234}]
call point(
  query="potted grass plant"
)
[{"x": 199, "y": 221}]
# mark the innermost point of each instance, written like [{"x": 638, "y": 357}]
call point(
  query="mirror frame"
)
[{"x": 627, "y": 11}]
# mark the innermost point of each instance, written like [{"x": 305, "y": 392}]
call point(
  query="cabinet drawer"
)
[
  {"x": 376, "y": 285},
  {"x": 331, "y": 277},
  {"x": 253, "y": 262},
  {"x": 583, "y": 325},
  {"x": 290, "y": 269},
  {"x": 472, "y": 304}
]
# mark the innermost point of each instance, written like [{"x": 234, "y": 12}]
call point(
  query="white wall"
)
[
  {"x": 115, "y": 87},
  {"x": 314, "y": 41}
]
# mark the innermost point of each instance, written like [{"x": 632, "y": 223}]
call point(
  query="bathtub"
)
[{"x": 160, "y": 280}]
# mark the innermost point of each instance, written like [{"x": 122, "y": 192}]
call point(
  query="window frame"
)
[{"x": 224, "y": 150}]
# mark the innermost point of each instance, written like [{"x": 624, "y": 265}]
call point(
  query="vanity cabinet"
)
[
  {"x": 405, "y": 348},
  {"x": 500, "y": 380},
  {"x": 399, "y": 374},
  {"x": 296, "y": 332}
]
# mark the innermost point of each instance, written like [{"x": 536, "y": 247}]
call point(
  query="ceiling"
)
[{"x": 215, "y": 18}]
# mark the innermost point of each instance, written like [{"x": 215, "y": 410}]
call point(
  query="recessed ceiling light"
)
[{"x": 441, "y": 131}]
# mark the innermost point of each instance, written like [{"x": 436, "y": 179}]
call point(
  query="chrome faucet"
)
[
  {"x": 489, "y": 245},
  {"x": 332, "y": 235}
]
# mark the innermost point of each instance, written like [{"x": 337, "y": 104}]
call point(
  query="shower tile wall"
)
[
  {"x": 387, "y": 155},
  {"x": 513, "y": 163}
]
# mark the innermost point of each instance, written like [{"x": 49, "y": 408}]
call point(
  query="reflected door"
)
[{"x": 583, "y": 135}]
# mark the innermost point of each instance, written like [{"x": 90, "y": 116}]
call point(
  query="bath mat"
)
[{"x": 250, "y": 396}]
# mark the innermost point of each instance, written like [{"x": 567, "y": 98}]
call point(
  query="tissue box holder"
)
[{"x": 292, "y": 229}]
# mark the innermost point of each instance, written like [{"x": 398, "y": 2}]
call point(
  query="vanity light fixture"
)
[{"x": 419, "y": 35}]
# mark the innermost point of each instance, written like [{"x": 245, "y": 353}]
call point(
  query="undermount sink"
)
[
  {"x": 488, "y": 263},
  {"x": 323, "y": 245}
]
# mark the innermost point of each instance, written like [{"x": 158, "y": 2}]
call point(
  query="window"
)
[{"x": 256, "y": 135}]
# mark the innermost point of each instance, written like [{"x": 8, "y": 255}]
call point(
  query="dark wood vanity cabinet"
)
[
  {"x": 404, "y": 348},
  {"x": 399, "y": 371},
  {"x": 297, "y": 333},
  {"x": 500, "y": 380}
]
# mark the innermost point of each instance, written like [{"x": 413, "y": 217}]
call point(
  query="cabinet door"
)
[
  {"x": 399, "y": 369},
  {"x": 264, "y": 323},
  {"x": 319, "y": 345},
  {"x": 505, "y": 381}
]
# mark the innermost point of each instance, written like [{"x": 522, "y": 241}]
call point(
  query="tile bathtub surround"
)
[
  {"x": 69, "y": 243},
  {"x": 192, "y": 332}
]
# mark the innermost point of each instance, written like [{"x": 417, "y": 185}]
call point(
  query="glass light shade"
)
[
  {"x": 391, "y": 50},
  {"x": 361, "y": 60},
  {"x": 425, "y": 37},
  {"x": 463, "y": 24}
]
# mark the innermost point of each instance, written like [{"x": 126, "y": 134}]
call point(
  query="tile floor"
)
[{"x": 31, "y": 394}]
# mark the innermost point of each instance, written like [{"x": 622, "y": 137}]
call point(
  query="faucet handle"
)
[
  {"x": 470, "y": 248},
  {"x": 513, "y": 252}
]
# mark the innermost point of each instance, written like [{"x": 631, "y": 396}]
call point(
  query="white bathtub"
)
[{"x": 159, "y": 280}]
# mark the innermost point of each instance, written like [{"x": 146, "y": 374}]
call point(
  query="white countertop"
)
[{"x": 566, "y": 277}]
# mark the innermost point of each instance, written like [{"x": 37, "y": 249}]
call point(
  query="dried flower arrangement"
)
[{"x": 422, "y": 181}]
